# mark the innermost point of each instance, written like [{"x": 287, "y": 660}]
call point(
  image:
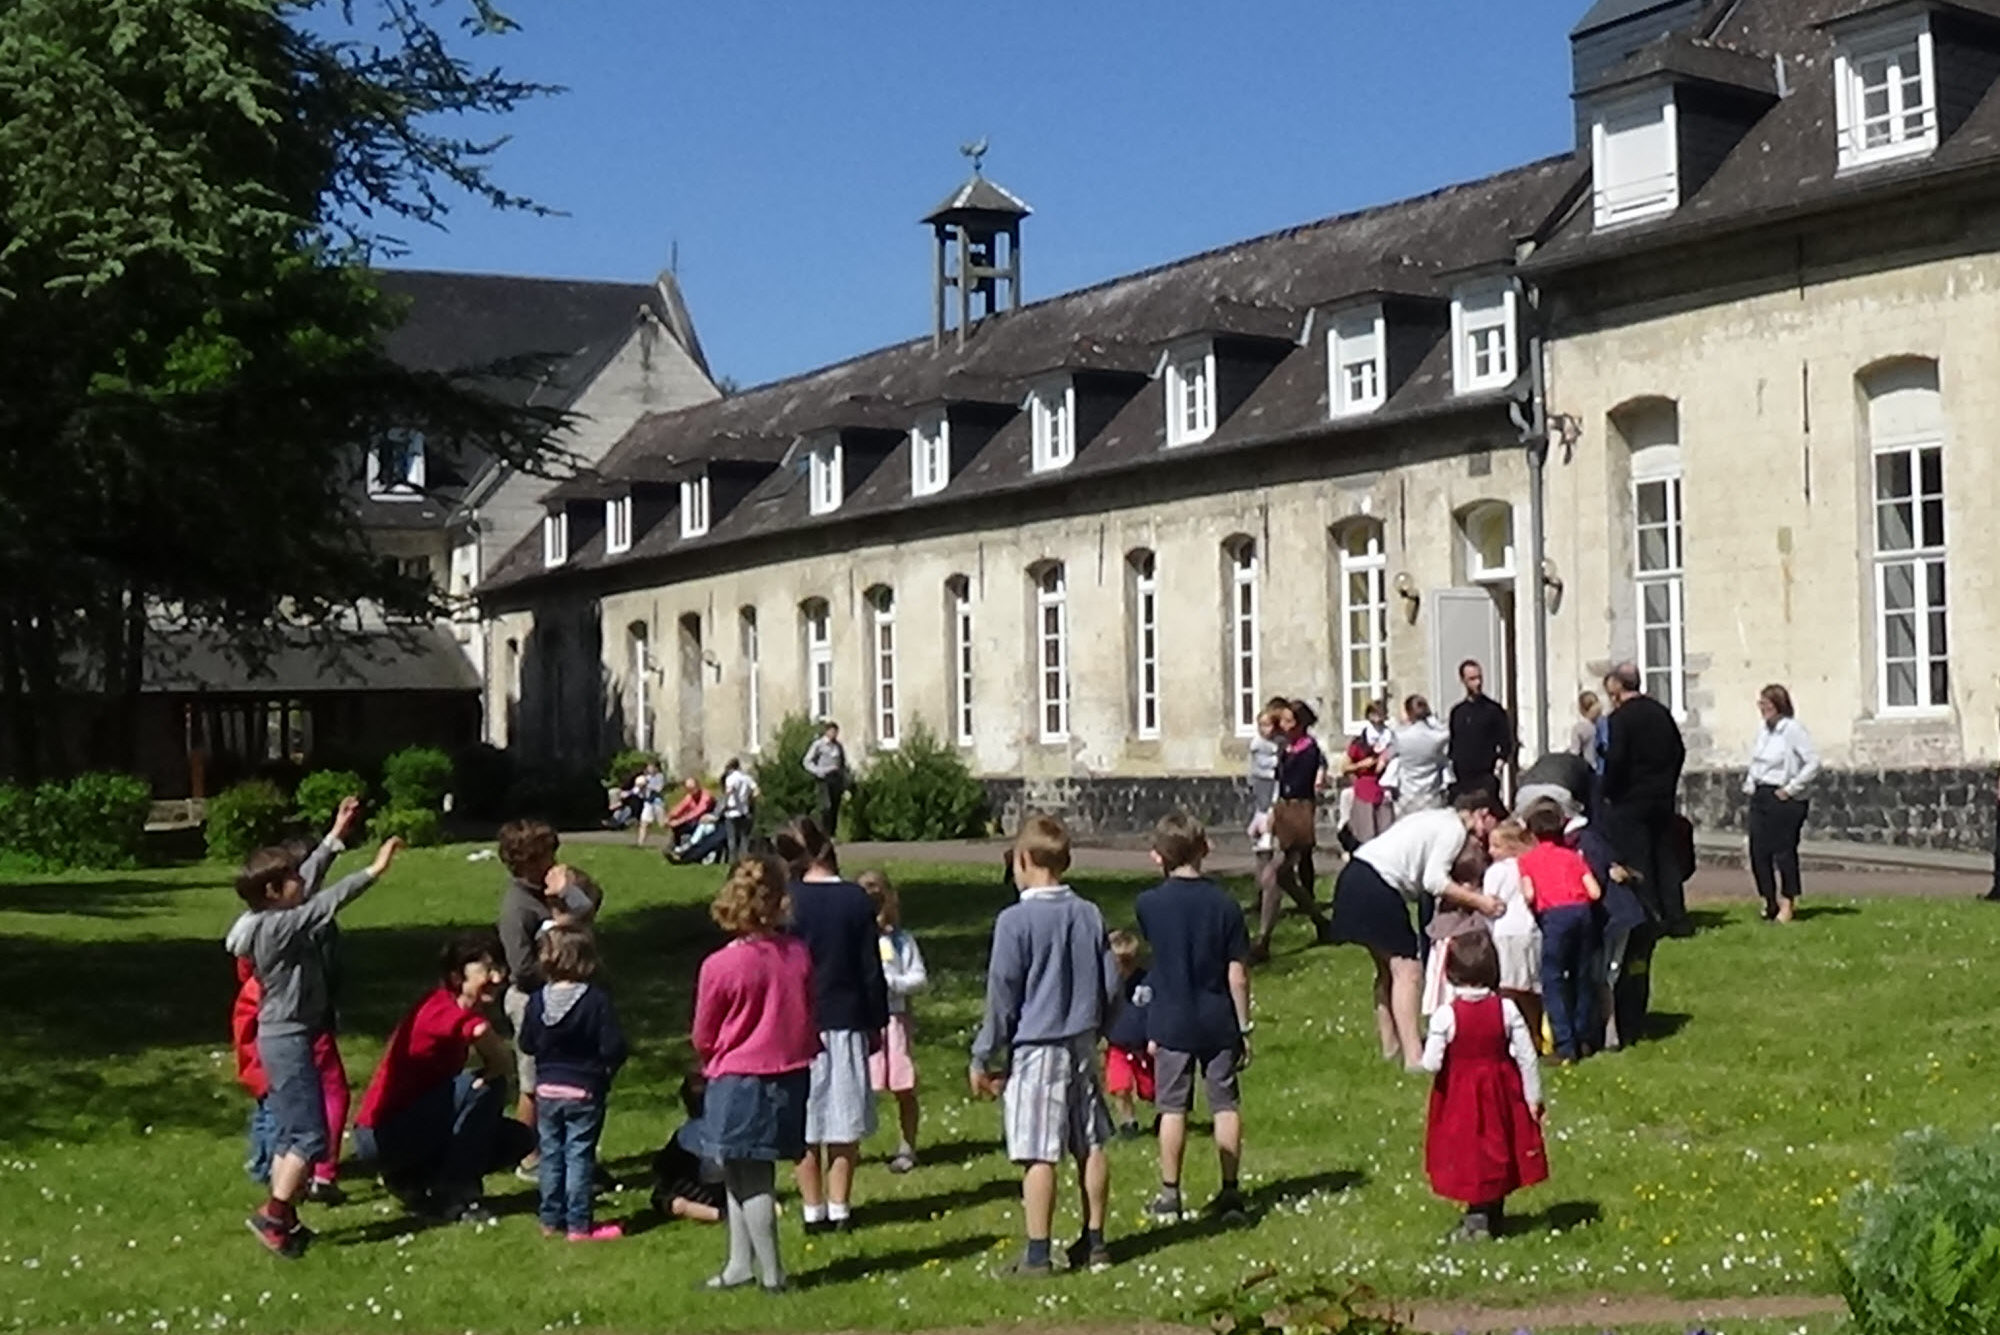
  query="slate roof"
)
[
  {"x": 1788, "y": 162},
  {"x": 1262, "y": 289},
  {"x": 1607, "y": 12},
  {"x": 1688, "y": 56},
  {"x": 979, "y": 195},
  {"x": 415, "y": 658}
]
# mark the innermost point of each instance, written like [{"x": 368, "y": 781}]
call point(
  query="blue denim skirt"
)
[{"x": 756, "y": 1117}]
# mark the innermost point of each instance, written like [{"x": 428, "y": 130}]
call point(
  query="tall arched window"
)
[
  {"x": 1143, "y": 609},
  {"x": 1364, "y": 618},
  {"x": 640, "y": 660},
  {"x": 1652, "y": 433},
  {"x": 1052, "y": 650},
  {"x": 1240, "y": 568},
  {"x": 1906, "y": 449},
  {"x": 882, "y": 635},
  {"x": 753, "y": 679},
  {"x": 816, "y": 623},
  {"x": 958, "y": 610}
]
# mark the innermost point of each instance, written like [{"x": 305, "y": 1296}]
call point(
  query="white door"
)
[{"x": 1466, "y": 623}]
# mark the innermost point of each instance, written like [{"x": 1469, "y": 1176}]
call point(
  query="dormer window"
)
[
  {"x": 555, "y": 538},
  {"x": 617, "y": 525},
  {"x": 1885, "y": 94},
  {"x": 694, "y": 507},
  {"x": 930, "y": 454},
  {"x": 1052, "y": 409},
  {"x": 824, "y": 466},
  {"x": 1191, "y": 396},
  {"x": 1355, "y": 347},
  {"x": 1635, "y": 159},
  {"x": 396, "y": 468},
  {"x": 1483, "y": 337}
]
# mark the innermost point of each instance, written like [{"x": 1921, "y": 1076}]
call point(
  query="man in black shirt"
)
[
  {"x": 1642, "y": 776},
  {"x": 1482, "y": 736}
]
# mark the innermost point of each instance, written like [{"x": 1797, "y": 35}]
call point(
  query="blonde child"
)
[
  {"x": 1128, "y": 1058},
  {"x": 892, "y": 1067},
  {"x": 1517, "y": 937}
]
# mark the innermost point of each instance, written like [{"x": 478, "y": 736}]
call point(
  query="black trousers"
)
[
  {"x": 831, "y": 790},
  {"x": 1641, "y": 837},
  {"x": 1775, "y": 827}
]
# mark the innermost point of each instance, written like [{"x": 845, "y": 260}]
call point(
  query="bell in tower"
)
[{"x": 978, "y": 231}]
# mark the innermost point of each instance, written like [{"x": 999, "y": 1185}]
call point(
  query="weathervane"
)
[{"x": 976, "y": 150}]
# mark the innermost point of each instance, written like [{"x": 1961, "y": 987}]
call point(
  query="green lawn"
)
[{"x": 1707, "y": 1163}]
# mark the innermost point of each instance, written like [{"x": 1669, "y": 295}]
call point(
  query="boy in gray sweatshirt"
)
[
  {"x": 278, "y": 934},
  {"x": 1050, "y": 985}
]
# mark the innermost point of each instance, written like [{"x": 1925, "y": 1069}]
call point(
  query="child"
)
[
  {"x": 1516, "y": 936},
  {"x": 573, "y": 899},
  {"x": 1557, "y": 882},
  {"x": 1128, "y": 1061},
  {"x": 279, "y": 934},
  {"x": 325, "y": 1186},
  {"x": 1199, "y": 1020},
  {"x": 1050, "y": 983},
  {"x": 1483, "y": 1137},
  {"x": 756, "y": 1035},
  {"x": 571, "y": 1030},
  {"x": 891, "y": 1067},
  {"x": 1265, "y": 748},
  {"x": 687, "y": 1184}
]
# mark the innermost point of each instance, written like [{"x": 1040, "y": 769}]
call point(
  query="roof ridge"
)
[{"x": 635, "y": 285}]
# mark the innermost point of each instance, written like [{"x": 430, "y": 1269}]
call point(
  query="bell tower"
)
[{"x": 978, "y": 231}]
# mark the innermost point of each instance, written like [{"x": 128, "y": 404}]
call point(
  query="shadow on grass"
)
[
  {"x": 1663, "y": 1025},
  {"x": 1558, "y": 1218},
  {"x": 917, "y": 1209},
  {"x": 1260, "y": 1202},
  {"x": 101, "y": 897},
  {"x": 512, "y": 1205},
  {"x": 850, "y": 1268},
  {"x": 1807, "y": 912}
]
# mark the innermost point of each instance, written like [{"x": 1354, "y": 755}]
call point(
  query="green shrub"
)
[
  {"x": 417, "y": 778},
  {"x": 625, "y": 764},
  {"x": 1924, "y": 1257},
  {"x": 784, "y": 788},
  {"x": 479, "y": 788},
  {"x": 320, "y": 794},
  {"x": 93, "y": 821},
  {"x": 921, "y": 790},
  {"x": 419, "y": 827},
  {"x": 245, "y": 818}
]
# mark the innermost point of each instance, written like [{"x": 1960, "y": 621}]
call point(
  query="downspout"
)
[{"x": 1532, "y": 420}]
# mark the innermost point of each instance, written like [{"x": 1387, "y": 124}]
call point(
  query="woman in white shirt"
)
[{"x": 1783, "y": 765}]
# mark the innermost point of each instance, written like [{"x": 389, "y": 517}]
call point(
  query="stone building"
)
[{"x": 1748, "y": 325}]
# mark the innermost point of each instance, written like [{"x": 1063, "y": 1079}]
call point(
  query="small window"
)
[
  {"x": 1482, "y": 320},
  {"x": 396, "y": 468},
  {"x": 930, "y": 454},
  {"x": 1053, "y": 414},
  {"x": 694, "y": 507},
  {"x": 1885, "y": 96},
  {"x": 1354, "y": 352},
  {"x": 1634, "y": 160},
  {"x": 555, "y": 538},
  {"x": 1191, "y": 397},
  {"x": 1487, "y": 532},
  {"x": 827, "y": 489},
  {"x": 618, "y": 525}
]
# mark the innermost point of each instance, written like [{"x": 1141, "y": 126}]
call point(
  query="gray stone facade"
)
[{"x": 1945, "y": 808}]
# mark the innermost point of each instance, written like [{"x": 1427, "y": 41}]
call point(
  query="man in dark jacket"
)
[
  {"x": 1482, "y": 736},
  {"x": 1641, "y": 785}
]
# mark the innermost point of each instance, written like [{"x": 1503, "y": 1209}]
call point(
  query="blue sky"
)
[{"x": 788, "y": 148}]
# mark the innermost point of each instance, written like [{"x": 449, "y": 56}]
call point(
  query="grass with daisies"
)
[{"x": 1709, "y": 1163}]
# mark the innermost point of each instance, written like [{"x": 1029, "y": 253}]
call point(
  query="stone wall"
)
[{"x": 1946, "y": 808}]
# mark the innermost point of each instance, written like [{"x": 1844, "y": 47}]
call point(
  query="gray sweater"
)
[
  {"x": 1051, "y": 976},
  {"x": 282, "y": 945}
]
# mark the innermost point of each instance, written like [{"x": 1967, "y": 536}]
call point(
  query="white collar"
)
[
  {"x": 1470, "y": 993},
  {"x": 1046, "y": 892}
]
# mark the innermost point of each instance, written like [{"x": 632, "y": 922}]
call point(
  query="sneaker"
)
[
  {"x": 844, "y": 1224},
  {"x": 1022, "y": 1268},
  {"x": 1165, "y": 1208},
  {"x": 904, "y": 1162},
  {"x": 814, "y": 1227},
  {"x": 601, "y": 1233},
  {"x": 1084, "y": 1257},
  {"x": 325, "y": 1191},
  {"x": 1228, "y": 1206},
  {"x": 1472, "y": 1228},
  {"x": 529, "y": 1170},
  {"x": 275, "y": 1234}
]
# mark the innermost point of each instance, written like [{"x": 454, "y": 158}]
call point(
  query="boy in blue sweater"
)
[{"x": 1051, "y": 985}]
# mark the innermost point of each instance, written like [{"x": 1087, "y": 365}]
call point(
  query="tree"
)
[{"x": 191, "y": 363}]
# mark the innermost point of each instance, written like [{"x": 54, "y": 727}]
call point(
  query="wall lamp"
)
[{"x": 1406, "y": 589}]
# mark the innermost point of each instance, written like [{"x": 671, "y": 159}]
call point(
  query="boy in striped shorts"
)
[{"x": 1051, "y": 984}]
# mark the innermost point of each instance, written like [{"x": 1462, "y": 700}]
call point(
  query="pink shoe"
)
[{"x": 602, "y": 1233}]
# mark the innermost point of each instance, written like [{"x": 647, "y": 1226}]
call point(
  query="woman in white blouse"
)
[{"x": 1783, "y": 765}]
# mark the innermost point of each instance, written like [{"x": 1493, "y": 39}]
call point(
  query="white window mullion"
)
[
  {"x": 962, "y": 660},
  {"x": 1052, "y": 618},
  {"x": 1364, "y": 622},
  {"x": 1244, "y": 665},
  {"x": 1146, "y": 648},
  {"x": 888, "y": 734},
  {"x": 819, "y": 661}
]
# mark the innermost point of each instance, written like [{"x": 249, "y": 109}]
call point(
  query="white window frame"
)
[
  {"x": 930, "y": 454},
  {"x": 555, "y": 538},
  {"x": 1190, "y": 389},
  {"x": 409, "y": 487},
  {"x": 1146, "y": 646},
  {"x": 882, "y": 615},
  {"x": 1245, "y": 658},
  {"x": 1369, "y": 567},
  {"x": 1617, "y": 202},
  {"x": 826, "y": 464},
  {"x": 1850, "y": 96},
  {"x": 1928, "y": 553},
  {"x": 1357, "y": 342},
  {"x": 618, "y": 528},
  {"x": 1052, "y": 691},
  {"x": 753, "y": 679},
  {"x": 1477, "y": 571},
  {"x": 1663, "y": 472},
  {"x": 1052, "y": 415},
  {"x": 1475, "y": 314},
  {"x": 961, "y": 657},
  {"x": 642, "y": 694},
  {"x": 694, "y": 506},
  {"x": 817, "y": 614}
]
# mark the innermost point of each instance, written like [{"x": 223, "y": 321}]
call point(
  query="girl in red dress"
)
[{"x": 1483, "y": 1140}]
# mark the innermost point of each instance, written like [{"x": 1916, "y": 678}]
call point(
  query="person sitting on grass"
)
[
  {"x": 687, "y": 1184},
  {"x": 571, "y": 1030},
  {"x": 1199, "y": 1019},
  {"x": 1051, "y": 982},
  {"x": 1128, "y": 1060},
  {"x": 434, "y": 1129},
  {"x": 696, "y": 803},
  {"x": 279, "y": 934}
]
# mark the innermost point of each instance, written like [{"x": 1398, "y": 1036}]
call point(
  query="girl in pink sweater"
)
[{"x": 756, "y": 1036}]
